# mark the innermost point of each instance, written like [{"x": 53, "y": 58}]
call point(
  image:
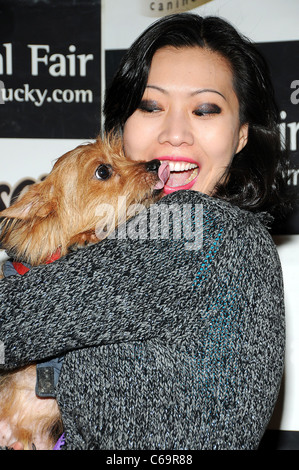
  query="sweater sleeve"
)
[{"x": 122, "y": 289}]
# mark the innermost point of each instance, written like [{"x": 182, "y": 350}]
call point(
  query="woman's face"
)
[{"x": 189, "y": 117}]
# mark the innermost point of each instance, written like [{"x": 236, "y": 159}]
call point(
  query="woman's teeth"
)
[
  {"x": 181, "y": 173},
  {"x": 193, "y": 175},
  {"x": 181, "y": 166}
]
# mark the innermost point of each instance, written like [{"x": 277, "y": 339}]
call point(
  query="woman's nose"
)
[{"x": 176, "y": 129}]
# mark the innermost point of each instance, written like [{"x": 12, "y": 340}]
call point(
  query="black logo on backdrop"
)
[
  {"x": 50, "y": 74},
  {"x": 283, "y": 60},
  {"x": 8, "y": 194}
]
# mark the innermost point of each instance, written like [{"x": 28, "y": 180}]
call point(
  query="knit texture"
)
[{"x": 165, "y": 347}]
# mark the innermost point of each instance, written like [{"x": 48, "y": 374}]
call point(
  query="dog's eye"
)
[{"x": 103, "y": 172}]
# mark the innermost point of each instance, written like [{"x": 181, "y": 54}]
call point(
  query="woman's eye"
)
[
  {"x": 149, "y": 106},
  {"x": 207, "y": 109}
]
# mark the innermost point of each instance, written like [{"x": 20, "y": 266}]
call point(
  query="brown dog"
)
[{"x": 69, "y": 208}]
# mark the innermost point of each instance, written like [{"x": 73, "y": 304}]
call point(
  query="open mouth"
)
[{"x": 183, "y": 174}]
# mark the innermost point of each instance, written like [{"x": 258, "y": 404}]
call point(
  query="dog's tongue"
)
[{"x": 163, "y": 173}]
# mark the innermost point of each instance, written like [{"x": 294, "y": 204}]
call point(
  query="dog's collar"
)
[
  {"x": 54, "y": 256},
  {"x": 24, "y": 268},
  {"x": 20, "y": 267}
]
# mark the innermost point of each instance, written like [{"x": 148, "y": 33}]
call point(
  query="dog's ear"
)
[{"x": 35, "y": 202}]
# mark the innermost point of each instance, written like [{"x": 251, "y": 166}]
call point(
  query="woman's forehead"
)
[{"x": 192, "y": 69}]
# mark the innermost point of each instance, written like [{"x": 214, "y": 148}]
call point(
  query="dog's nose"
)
[{"x": 153, "y": 166}]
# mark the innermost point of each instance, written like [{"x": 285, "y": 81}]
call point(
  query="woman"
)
[{"x": 167, "y": 343}]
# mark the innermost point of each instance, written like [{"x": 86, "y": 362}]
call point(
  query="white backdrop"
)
[{"x": 122, "y": 21}]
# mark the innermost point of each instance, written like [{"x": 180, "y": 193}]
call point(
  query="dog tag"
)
[{"x": 45, "y": 387}]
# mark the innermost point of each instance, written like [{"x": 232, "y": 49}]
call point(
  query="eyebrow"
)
[
  {"x": 196, "y": 92},
  {"x": 205, "y": 90}
]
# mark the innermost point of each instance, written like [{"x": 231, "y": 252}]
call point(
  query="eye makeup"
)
[
  {"x": 149, "y": 106},
  {"x": 207, "y": 109}
]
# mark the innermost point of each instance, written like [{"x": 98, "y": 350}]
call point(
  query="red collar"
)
[{"x": 21, "y": 269}]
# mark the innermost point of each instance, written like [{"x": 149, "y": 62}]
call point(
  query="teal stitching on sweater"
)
[{"x": 211, "y": 254}]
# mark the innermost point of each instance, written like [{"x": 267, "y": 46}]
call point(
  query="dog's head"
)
[{"x": 87, "y": 194}]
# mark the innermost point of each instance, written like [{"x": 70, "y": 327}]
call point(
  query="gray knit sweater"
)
[{"x": 167, "y": 345}]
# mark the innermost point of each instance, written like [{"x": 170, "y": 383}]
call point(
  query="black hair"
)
[{"x": 257, "y": 177}]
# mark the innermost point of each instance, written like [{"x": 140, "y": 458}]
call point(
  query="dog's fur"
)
[{"x": 56, "y": 214}]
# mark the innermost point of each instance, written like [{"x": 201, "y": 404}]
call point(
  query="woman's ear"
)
[{"x": 243, "y": 137}]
